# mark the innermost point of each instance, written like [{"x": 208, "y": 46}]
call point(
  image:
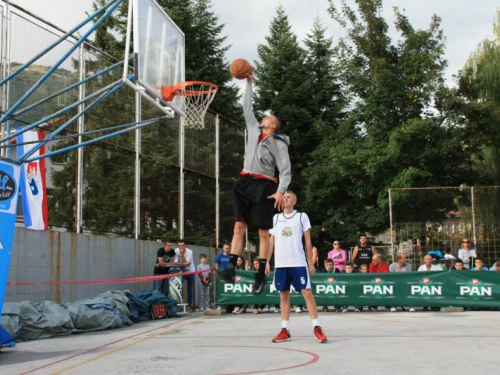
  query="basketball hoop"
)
[{"x": 196, "y": 97}]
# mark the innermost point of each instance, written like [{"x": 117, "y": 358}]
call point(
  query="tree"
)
[
  {"x": 283, "y": 82},
  {"x": 393, "y": 136}
]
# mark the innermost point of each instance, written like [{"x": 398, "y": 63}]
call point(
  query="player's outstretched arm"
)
[{"x": 250, "y": 120}]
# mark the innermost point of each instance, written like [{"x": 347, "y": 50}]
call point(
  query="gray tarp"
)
[{"x": 29, "y": 321}]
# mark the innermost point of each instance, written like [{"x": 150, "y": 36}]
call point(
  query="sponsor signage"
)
[{"x": 436, "y": 289}]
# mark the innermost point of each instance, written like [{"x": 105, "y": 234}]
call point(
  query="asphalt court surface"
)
[{"x": 368, "y": 342}]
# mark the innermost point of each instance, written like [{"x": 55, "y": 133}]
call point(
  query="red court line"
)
[
  {"x": 315, "y": 358},
  {"x": 103, "y": 346}
]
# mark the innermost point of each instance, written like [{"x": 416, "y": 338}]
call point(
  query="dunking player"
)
[
  {"x": 291, "y": 265},
  {"x": 257, "y": 193}
]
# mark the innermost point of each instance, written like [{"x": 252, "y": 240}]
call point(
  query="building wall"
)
[{"x": 41, "y": 256}]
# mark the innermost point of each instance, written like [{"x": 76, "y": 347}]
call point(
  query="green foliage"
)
[{"x": 392, "y": 136}]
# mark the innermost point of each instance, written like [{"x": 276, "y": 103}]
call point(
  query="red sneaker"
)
[
  {"x": 284, "y": 335},
  {"x": 318, "y": 332}
]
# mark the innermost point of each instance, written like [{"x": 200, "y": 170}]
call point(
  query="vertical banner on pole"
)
[{"x": 9, "y": 188}]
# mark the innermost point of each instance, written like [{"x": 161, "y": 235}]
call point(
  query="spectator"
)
[
  {"x": 222, "y": 259},
  {"x": 479, "y": 265},
  {"x": 363, "y": 268},
  {"x": 205, "y": 282},
  {"x": 466, "y": 253},
  {"x": 496, "y": 266},
  {"x": 185, "y": 255},
  {"x": 459, "y": 265},
  {"x": 378, "y": 265},
  {"x": 338, "y": 255},
  {"x": 401, "y": 265},
  {"x": 164, "y": 255},
  {"x": 329, "y": 268},
  {"x": 348, "y": 268},
  {"x": 240, "y": 265},
  {"x": 257, "y": 309},
  {"x": 363, "y": 253},
  {"x": 428, "y": 266}
]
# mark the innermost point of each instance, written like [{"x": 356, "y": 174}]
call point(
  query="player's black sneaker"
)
[
  {"x": 260, "y": 283},
  {"x": 228, "y": 274}
]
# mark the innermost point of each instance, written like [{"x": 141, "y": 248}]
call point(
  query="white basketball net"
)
[{"x": 196, "y": 98}]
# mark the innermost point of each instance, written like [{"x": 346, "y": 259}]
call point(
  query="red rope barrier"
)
[{"x": 112, "y": 281}]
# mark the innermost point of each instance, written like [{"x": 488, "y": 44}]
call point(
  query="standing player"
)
[
  {"x": 291, "y": 265},
  {"x": 257, "y": 193}
]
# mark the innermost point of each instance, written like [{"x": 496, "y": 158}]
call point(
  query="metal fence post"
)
[
  {"x": 81, "y": 129},
  {"x": 473, "y": 198},
  {"x": 391, "y": 224},
  {"x": 217, "y": 186}
]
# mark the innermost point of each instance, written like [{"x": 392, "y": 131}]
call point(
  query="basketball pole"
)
[
  {"x": 181, "y": 178},
  {"x": 137, "y": 175},
  {"x": 217, "y": 186}
]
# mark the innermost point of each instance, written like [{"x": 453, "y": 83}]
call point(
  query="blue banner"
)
[{"x": 9, "y": 188}]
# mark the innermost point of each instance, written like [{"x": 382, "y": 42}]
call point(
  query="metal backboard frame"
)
[{"x": 159, "y": 47}]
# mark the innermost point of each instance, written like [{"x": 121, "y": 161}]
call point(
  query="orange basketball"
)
[{"x": 240, "y": 68}]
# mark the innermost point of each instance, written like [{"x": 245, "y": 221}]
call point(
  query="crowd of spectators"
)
[{"x": 365, "y": 259}]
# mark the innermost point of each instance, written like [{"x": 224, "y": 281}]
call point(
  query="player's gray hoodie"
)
[{"x": 263, "y": 158}]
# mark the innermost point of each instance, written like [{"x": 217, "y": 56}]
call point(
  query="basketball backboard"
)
[{"x": 159, "y": 45}]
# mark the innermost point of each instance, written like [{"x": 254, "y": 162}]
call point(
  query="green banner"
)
[{"x": 435, "y": 289}]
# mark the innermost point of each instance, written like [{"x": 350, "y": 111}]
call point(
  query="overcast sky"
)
[{"x": 465, "y": 22}]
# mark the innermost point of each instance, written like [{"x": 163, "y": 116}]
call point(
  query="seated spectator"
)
[
  {"x": 496, "y": 266},
  {"x": 428, "y": 266},
  {"x": 378, "y": 265},
  {"x": 222, "y": 259},
  {"x": 466, "y": 253},
  {"x": 338, "y": 255},
  {"x": 401, "y": 265},
  {"x": 363, "y": 268},
  {"x": 240, "y": 265},
  {"x": 329, "y": 268},
  {"x": 459, "y": 265},
  {"x": 257, "y": 309},
  {"x": 348, "y": 268},
  {"x": 479, "y": 265}
]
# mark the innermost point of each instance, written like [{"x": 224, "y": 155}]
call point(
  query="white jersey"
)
[{"x": 288, "y": 231}]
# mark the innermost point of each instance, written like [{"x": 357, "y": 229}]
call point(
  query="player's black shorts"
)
[{"x": 251, "y": 202}]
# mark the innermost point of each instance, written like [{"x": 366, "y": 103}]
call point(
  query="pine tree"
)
[{"x": 283, "y": 88}]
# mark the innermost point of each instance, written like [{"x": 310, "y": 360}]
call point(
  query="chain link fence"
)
[
  {"x": 430, "y": 219},
  {"x": 106, "y": 209}
]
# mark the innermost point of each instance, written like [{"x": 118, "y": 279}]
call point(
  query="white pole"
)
[
  {"x": 137, "y": 174},
  {"x": 181, "y": 177},
  {"x": 217, "y": 186},
  {"x": 391, "y": 224},
  {"x": 81, "y": 129}
]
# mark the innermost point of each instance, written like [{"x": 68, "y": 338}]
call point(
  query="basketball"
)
[{"x": 240, "y": 68}]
